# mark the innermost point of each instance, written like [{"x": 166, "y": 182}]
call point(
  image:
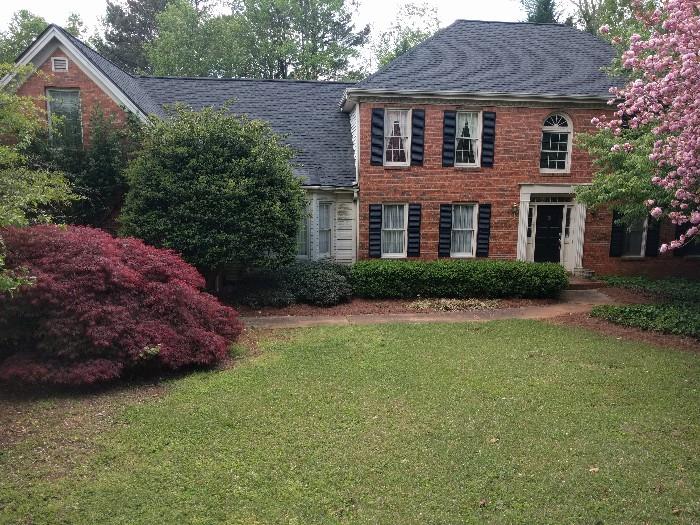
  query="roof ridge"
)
[
  {"x": 245, "y": 79},
  {"x": 515, "y": 22}
]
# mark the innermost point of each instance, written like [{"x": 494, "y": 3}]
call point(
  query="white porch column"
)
[
  {"x": 522, "y": 226},
  {"x": 578, "y": 233}
]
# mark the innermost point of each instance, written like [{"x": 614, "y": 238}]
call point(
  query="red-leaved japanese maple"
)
[{"x": 100, "y": 306}]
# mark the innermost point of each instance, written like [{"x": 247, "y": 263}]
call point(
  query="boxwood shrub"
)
[
  {"x": 383, "y": 279},
  {"x": 319, "y": 283}
]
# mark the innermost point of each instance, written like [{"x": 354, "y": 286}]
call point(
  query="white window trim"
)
[
  {"x": 80, "y": 108},
  {"x": 570, "y": 131},
  {"x": 329, "y": 253},
  {"x": 643, "y": 250},
  {"x": 460, "y": 255},
  {"x": 405, "y": 232},
  {"x": 407, "y": 144},
  {"x": 477, "y": 157},
  {"x": 61, "y": 59}
]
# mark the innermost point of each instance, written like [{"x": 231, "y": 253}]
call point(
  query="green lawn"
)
[{"x": 505, "y": 422}]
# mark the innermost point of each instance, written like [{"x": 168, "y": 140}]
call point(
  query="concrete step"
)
[{"x": 576, "y": 283}]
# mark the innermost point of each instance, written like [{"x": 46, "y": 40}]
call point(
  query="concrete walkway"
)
[{"x": 572, "y": 302}]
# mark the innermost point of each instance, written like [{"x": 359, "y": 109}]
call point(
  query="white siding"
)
[{"x": 344, "y": 228}]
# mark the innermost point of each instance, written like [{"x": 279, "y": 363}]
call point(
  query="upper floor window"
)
[
  {"x": 394, "y": 221},
  {"x": 397, "y": 137},
  {"x": 555, "y": 155},
  {"x": 65, "y": 122},
  {"x": 467, "y": 139}
]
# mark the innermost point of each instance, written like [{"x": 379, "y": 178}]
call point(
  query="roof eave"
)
[{"x": 352, "y": 94}]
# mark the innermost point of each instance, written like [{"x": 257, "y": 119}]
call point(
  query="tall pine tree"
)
[{"x": 541, "y": 11}]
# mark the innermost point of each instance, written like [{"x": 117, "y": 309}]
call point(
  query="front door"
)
[{"x": 548, "y": 233}]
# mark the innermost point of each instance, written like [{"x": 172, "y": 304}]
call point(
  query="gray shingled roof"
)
[
  {"x": 502, "y": 57},
  {"x": 306, "y": 111}
]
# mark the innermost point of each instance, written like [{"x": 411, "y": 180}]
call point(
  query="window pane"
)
[
  {"x": 303, "y": 238},
  {"x": 634, "y": 236},
  {"x": 324, "y": 216},
  {"x": 467, "y": 138},
  {"x": 396, "y": 129},
  {"x": 462, "y": 241},
  {"x": 324, "y": 242},
  {"x": 393, "y": 216},
  {"x": 64, "y": 112},
  {"x": 463, "y": 216},
  {"x": 392, "y": 242}
]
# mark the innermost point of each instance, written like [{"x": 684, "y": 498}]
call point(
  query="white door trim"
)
[{"x": 578, "y": 218}]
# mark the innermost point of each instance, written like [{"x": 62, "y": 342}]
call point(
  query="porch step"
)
[{"x": 576, "y": 283}]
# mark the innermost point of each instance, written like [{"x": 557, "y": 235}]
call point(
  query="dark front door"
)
[{"x": 548, "y": 233}]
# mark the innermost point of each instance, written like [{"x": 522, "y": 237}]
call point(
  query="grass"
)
[{"x": 503, "y": 422}]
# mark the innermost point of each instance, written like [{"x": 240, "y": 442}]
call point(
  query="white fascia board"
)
[{"x": 54, "y": 39}]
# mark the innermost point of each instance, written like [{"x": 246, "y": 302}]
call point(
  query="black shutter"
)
[
  {"x": 488, "y": 138},
  {"x": 413, "y": 248},
  {"x": 617, "y": 236},
  {"x": 652, "y": 246},
  {"x": 484, "y": 232},
  {"x": 445, "y": 239},
  {"x": 375, "y": 230},
  {"x": 417, "y": 134},
  {"x": 449, "y": 129},
  {"x": 377, "y": 158}
]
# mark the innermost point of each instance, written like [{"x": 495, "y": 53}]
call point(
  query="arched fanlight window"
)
[{"x": 555, "y": 154}]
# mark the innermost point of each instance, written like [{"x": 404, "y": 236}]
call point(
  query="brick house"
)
[{"x": 463, "y": 147}]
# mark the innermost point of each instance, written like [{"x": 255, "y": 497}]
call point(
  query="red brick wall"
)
[
  {"x": 518, "y": 136},
  {"x": 90, "y": 93}
]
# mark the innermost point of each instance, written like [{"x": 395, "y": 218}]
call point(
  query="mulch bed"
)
[
  {"x": 369, "y": 306},
  {"x": 627, "y": 333}
]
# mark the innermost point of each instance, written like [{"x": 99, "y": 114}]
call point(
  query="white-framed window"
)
[
  {"x": 468, "y": 139},
  {"x": 555, "y": 152},
  {"x": 635, "y": 239},
  {"x": 397, "y": 137},
  {"x": 303, "y": 238},
  {"x": 59, "y": 64},
  {"x": 394, "y": 236},
  {"x": 325, "y": 229},
  {"x": 463, "y": 235},
  {"x": 64, "y": 114}
]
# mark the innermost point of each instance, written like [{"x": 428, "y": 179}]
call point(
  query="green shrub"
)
[
  {"x": 666, "y": 318},
  {"x": 382, "y": 279},
  {"x": 318, "y": 283},
  {"x": 671, "y": 289}
]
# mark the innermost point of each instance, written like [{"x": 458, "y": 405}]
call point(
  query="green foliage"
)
[
  {"x": 541, "y": 11},
  {"x": 380, "y": 279},
  {"x": 217, "y": 188},
  {"x": 27, "y": 194},
  {"x": 622, "y": 178},
  {"x": 413, "y": 24},
  {"x": 262, "y": 39},
  {"x": 75, "y": 25},
  {"x": 667, "y": 318},
  {"x": 22, "y": 30},
  {"x": 128, "y": 27},
  {"x": 671, "y": 289},
  {"x": 319, "y": 283}
]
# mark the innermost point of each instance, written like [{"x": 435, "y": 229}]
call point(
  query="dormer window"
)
[
  {"x": 555, "y": 155},
  {"x": 467, "y": 139},
  {"x": 59, "y": 64},
  {"x": 397, "y": 137}
]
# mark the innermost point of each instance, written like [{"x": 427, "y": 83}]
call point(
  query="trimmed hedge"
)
[
  {"x": 319, "y": 283},
  {"x": 382, "y": 279},
  {"x": 666, "y": 318}
]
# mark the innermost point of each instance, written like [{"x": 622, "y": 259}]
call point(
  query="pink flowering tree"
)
[{"x": 663, "y": 98}]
